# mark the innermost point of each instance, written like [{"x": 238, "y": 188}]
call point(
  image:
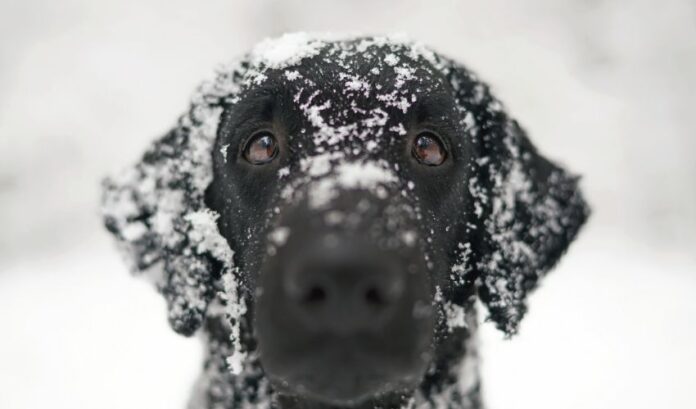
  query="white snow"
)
[
  {"x": 368, "y": 175},
  {"x": 400, "y": 129},
  {"x": 205, "y": 235},
  {"x": 223, "y": 152},
  {"x": 102, "y": 318},
  {"x": 286, "y": 50},
  {"x": 590, "y": 340},
  {"x": 236, "y": 307},
  {"x": 409, "y": 237},
  {"x": 455, "y": 316},
  {"x": 391, "y": 59},
  {"x": 279, "y": 235},
  {"x": 283, "y": 172},
  {"x": 292, "y": 75},
  {"x": 319, "y": 165}
]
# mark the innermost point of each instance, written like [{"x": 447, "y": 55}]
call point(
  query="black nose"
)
[
  {"x": 345, "y": 294},
  {"x": 343, "y": 307}
]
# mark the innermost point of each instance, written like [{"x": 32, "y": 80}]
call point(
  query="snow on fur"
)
[{"x": 156, "y": 209}]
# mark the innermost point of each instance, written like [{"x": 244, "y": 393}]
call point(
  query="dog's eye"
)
[
  {"x": 261, "y": 148},
  {"x": 428, "y": 149}
]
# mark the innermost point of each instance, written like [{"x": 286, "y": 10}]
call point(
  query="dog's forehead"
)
[
  {"x": 364, "y": 88},
  {"x": 358, "y": 90},
  {"x": 364, "y": 67},
  {"x": 375, "y": 58},
  {"x": 353, "y": 98}
]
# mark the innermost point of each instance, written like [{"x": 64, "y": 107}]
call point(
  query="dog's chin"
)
[{"x": 340, "y": 389}]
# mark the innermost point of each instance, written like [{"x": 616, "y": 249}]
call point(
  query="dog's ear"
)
[
  {"x": 527, "y": 209},
  {"x": 157, "y": 213}
]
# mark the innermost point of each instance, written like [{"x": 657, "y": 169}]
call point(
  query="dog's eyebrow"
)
[
  {"x": 434, "y": 108},
  {"x": 259, "y": 105}
]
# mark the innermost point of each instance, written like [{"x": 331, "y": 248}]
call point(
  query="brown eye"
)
[
  {"x": 428, "y": 149},
  {"x": 261, "y": 149}
]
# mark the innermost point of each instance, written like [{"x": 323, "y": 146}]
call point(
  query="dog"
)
[{"x": 327, "y": 215}]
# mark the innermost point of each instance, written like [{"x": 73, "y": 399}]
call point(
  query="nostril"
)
[
  {"x": 381, "y": 291},
  {"x": 374, "y": 297},
  {"x": 315, "y": 295}
]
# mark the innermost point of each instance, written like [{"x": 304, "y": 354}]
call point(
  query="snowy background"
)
[{"x": 605, "y": 86}]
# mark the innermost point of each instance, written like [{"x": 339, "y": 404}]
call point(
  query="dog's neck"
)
[{"x": 452, "y": 382}]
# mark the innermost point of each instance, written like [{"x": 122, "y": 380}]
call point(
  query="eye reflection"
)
[
  {"x": 428, "y": 149},
  {"x": 261, "y": 149}
]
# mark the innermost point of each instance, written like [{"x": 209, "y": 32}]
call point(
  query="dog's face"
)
[
  {"x": 340, "y": 187},
  {"x": 370, "y": 191}
]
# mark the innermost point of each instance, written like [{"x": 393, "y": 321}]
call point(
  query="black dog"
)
[{"x": 371, "y": 190}]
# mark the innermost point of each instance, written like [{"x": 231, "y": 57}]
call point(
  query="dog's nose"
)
[
  {"x": 344, "y": 306},
  {"x": 345, "y": 294}
]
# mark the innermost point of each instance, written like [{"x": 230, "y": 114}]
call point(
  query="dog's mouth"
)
[
  {"x": 343, "y": 376},
  {"x": 341, "y": 388},
  {"x": 342, "y": 368}
]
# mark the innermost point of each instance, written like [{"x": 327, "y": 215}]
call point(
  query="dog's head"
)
[{"x": 347, "y": 200}]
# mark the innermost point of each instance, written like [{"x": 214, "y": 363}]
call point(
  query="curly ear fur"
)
[
  {"x": 156, "y": 211},
  {"x": 527, "y": 209}
]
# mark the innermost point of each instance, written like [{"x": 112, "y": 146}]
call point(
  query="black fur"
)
[{"x": 491, "y": 221}]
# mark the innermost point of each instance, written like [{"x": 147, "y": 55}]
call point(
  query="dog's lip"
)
[
  {"x": 340, "y": 388},
  {"x": 328, "y": 367}
]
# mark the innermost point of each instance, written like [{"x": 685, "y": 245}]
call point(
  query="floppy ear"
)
[
  {"x": 157, "y": 213},
  {"x": 529, "y": 209}
]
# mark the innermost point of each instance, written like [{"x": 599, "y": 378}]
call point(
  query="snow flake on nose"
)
[
  {"x": 326, "y": 173},
  {"x": 280, "y": 235},
  {"x": 372, "y": 176},
  {"x": 365, "y": 175},
  {"x": 409, "y": 237},
  {"x": 319, "y": 165}
]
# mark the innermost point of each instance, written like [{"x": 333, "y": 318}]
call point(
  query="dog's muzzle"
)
[{"x": 344, "y": 306}]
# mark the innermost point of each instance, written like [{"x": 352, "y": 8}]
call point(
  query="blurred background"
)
[{"x": 607, "y": 87}]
